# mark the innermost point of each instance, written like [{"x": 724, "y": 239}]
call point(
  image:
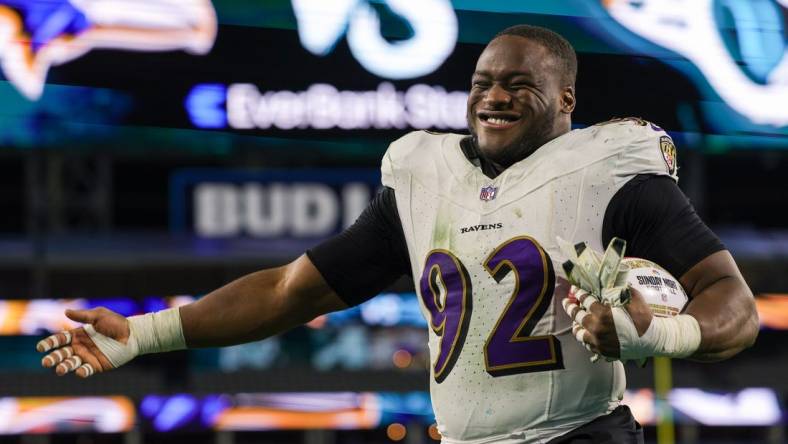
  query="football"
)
[{"x": 660, "y": 289}]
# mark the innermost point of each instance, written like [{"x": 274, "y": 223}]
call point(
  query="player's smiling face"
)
[{"x": 518, "y": 101}]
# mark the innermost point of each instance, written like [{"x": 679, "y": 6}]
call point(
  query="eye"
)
[{"x": 480, "y": 84}]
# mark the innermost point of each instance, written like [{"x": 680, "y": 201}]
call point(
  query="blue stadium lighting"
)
[
  {"x": 151, "y": 304},
  {"x": 213, "y": 406},
  {"x": 125, "y": 306},
  {"x": 205, "y": 105},
  {"x": 392, "y": 309},
  {"x": 150, "y": 405},
  {"x": 176, "y": 412}
]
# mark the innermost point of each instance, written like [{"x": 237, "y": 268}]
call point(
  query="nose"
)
[{"x": 497, "y": 96}]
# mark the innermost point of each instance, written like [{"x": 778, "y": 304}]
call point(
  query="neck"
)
[{"x": 529, "y": 146}]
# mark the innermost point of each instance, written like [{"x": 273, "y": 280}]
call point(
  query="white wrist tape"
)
[
  {"x": 676, "y": 337},
  {"x": 116, "y": 352},
  {"x": 148, "y": 333},
  {"x": 157, "y": 332}
]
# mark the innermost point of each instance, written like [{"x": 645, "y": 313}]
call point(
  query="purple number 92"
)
[{"x": 509, "y": 349}]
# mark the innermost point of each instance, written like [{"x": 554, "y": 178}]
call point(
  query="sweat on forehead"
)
[
  {"x": 508, "y": 56},
  {"x": 563, "y": 54}
]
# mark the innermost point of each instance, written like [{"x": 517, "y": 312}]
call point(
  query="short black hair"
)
[{"x": 560, "y": 48}]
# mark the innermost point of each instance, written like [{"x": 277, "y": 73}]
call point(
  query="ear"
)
[{"x": 568, "y": 99}]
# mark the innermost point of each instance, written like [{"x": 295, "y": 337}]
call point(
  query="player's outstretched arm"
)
[
  {"x": 252, "y": 307},
  {"x": 259, "y": 305},
  {"x": 723, "y": 305}
]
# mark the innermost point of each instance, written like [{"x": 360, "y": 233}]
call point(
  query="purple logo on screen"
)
[{"x": 488, "y": 193}]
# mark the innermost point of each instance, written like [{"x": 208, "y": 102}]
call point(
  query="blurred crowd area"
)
[{"x": 142, "y": 173}]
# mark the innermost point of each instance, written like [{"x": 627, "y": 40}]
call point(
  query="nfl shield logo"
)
[{"x": 488, "y": 193}]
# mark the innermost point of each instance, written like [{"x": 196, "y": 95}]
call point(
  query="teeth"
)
[{"x": 497, "y": 121}]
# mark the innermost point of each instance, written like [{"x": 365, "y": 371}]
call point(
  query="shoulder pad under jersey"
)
[
  {"x": 643, "y": 147},
  {"x": 414, "y": 153}
]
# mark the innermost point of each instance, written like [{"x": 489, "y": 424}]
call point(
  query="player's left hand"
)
[
  {"x": 77, "y": 350},
  {"x": 593, "y": 322}
]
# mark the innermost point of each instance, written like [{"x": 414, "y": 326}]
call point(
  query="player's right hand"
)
[{"x": 100, "y": 345}]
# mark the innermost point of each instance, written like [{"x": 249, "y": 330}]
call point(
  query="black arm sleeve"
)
[
  {"x": 367, "y": 257},
  {"x": 659, "y": 224}
]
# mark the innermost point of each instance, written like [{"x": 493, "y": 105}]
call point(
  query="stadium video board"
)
[{"x": 207, "y": 74}]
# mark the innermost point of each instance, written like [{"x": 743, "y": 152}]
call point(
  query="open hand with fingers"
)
[{"x": 89, "y": 349}]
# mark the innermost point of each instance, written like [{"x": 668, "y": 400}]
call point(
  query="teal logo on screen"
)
[
  {"x": 322, "y": 23},
  {"x": 38, "y": 34},
  {"x": 739, "y": 46}
]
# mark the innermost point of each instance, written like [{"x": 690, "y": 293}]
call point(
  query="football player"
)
[{"x": 474, "y": 220}]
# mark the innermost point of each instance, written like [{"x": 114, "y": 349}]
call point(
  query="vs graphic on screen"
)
[{"x": 38, "y": 34}]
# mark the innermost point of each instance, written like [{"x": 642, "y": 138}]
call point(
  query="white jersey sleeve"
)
[
  {"x": 643, "y": 148},
  {"x": 413, "y": 155}
]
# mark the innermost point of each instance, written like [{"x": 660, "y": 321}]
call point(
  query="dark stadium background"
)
[{"x": 98, "y": 180}]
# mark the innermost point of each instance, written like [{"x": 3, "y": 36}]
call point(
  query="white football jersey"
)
[{"x": 505, "y": 367}]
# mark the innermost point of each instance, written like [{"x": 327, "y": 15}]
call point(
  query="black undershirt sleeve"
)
[
  {"x": 659, "y": 224},
  {"x": 368, "y": 256}
]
